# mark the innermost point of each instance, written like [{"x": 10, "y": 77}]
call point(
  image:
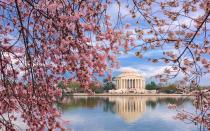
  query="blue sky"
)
[{"x": 142, "y": 65}]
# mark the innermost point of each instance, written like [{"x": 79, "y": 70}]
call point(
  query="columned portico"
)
[{"x": 130, "y": 81}]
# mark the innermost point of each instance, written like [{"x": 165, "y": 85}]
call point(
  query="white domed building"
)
[{"x": 129, "y": 81}]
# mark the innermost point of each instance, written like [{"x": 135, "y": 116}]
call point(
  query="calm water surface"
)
[{"x": 125, "y": 113}]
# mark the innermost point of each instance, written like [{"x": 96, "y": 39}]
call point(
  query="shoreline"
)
[{"x": 129, "y": 94}]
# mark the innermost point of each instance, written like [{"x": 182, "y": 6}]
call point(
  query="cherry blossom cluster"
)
[{"x": 44, "y": 42}]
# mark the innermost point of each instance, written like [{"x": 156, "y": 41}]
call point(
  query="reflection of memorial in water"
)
[{"x": 129, "y": 108}]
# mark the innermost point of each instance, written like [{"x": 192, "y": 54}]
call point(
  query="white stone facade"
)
[{"x": 129, "y": 82}]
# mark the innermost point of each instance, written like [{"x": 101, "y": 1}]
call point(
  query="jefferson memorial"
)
[{"x": 129, "y": 81}]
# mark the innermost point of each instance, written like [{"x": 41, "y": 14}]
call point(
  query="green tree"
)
[
  {"x": 73, "y": 85},
  {"x": 108, "y": 85},
  {"x": 151, "y": 86},
  {"x": 61, "y": 85},
  {"x": 70, "y": 87},
  {"x": 96, "y": 88},
  {"x": 169, "y": 89}
]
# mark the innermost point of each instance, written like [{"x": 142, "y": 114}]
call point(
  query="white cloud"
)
[
  {"x": 150, "y": 70},
  {"x": 127, "y": 68}
]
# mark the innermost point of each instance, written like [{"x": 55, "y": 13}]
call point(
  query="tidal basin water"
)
[{"x": 126, "y": 113}]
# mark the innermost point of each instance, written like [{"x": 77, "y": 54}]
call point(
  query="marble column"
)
[
  {"x": 140, "y": 83},
  {"x": 118, "y": 84},
  {"x": 131, "y": 83},
  {"x": 124, "y": 83},
  {"x": 137, "y": 83},
  {"x": 134, "y": 84},
  {"x": 121, "y": 83}
]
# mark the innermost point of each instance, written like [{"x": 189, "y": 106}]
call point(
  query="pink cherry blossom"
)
[{"x": 41, "y": 41}]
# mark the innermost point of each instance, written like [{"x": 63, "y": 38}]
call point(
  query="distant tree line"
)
[
  {"x": 169, "y": 88},
  {"x": 75, "y": 87}
]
